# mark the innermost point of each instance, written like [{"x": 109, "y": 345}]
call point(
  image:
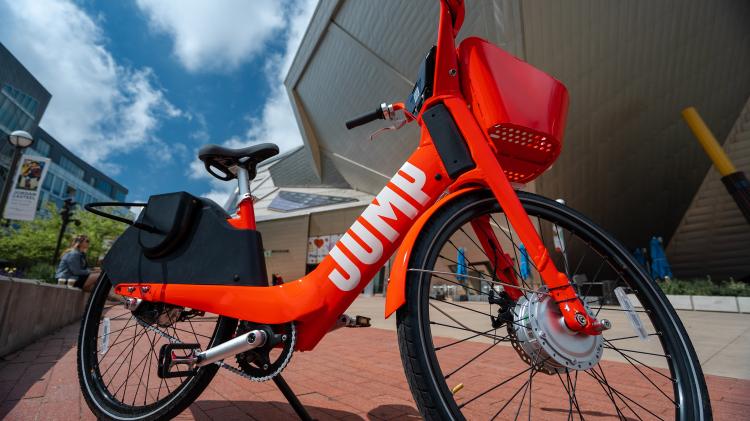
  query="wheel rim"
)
[
  {"x": 120, "y": 361},
  {"x": 610, "y": 388}
]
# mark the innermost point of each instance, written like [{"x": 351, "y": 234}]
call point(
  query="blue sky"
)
[{"x": 138, "y": 86}]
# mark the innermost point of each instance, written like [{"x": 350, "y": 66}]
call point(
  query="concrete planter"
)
[
  {"x": 744, "y": 304},
  {"x": 681, "y": 302},
  {"x": 704, "y": 303},
  {"x": 709, "y": 303},
  {"x": 32, "y": 309}
]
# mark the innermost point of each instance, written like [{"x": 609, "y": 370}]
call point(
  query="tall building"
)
[
  {"x": 23, "y": 100},
  {"x": 70, "y": 175}
]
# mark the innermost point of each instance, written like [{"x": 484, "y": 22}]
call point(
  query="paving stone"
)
[{"x": 355, "y": 374}]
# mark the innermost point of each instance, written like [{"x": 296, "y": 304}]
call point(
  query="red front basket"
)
[{"x": 521, "y": 108}]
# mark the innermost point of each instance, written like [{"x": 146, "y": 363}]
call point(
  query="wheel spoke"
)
[
  {"x": 438, "y": 348},
  {"x": 472, "y": 359},
  {"x": 493, "y": 388}
]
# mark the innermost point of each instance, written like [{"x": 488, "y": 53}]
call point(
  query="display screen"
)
[{"x": 423, "y": 86}]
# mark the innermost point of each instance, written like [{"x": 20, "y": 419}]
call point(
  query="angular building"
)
[
  {"x": 69, "y": 175},
  {"x": 23, "y": 101},
  {"x": 628, "y": 160}
]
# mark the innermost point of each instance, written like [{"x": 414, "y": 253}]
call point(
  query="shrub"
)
[
  {"x": 705, "y": 287},
  {"x": 41, "y": 271}
]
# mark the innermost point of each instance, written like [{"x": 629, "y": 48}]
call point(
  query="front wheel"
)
[{"x": 470, "y": 351}]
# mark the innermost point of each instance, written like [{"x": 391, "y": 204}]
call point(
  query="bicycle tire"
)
[
  {"x": 434, "y": 398},
  {"x": 101, "y": 400}
]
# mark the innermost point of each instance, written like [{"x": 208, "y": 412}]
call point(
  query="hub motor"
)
[{"x": 541, "y": 338}]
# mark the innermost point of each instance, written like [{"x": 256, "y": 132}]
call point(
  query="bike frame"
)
[{"x": 315, "y": 301}]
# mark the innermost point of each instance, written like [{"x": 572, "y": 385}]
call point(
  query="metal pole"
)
[
  {"x": 8, "y": 184},
  {"x": 65, "y": 215},
  {"x": 59, "y": 240}
]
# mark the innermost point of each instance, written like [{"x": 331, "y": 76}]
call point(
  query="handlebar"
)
[{"x": 364, "y": 119}]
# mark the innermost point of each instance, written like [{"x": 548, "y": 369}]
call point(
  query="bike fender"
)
[{"x": 395, "y": 295}]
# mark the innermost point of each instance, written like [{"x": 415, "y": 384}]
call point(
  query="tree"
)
[{"x": 28, "y": 243}]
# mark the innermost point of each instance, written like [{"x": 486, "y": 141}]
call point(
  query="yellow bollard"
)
[
  {"x": 708, "y": 141},
  {"x": 735, "y": 181}
]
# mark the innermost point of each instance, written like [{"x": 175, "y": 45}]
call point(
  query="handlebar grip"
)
[{"x": 364, "y": 119}]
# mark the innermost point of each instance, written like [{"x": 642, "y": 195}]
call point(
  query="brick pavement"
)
[{"x": 354, "y": 374}]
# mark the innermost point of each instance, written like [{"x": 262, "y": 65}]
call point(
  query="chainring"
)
[{"x": 259, "y": 364}]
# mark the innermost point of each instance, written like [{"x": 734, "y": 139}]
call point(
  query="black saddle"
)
[{"x": 223, "y": 159}]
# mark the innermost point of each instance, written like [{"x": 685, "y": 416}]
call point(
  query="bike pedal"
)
[{"x": 169, "y": 359}]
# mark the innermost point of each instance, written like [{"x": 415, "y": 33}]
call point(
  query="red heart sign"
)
[{"x": 318, "y": 242}]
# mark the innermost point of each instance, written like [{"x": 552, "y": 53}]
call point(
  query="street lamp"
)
[{"x": 20, "y": 140}]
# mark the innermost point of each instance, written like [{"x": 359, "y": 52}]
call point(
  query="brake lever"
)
[{"x": 399, "y": 124}]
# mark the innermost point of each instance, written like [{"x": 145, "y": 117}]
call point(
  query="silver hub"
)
[{"x": 542, "y": 339}]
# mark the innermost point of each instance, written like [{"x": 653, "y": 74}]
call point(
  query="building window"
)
[
  {"x": 104, "y": 187},
  {"x": 47, "y": 185},
  {"x": 41, "y": 147},
  {"x": 16, "y": 109},
  {"x": 72, "y": 167},
  {"x": 120, "y": 196},
  {"x": 25, "y": 101},
  {"x": 57, "y": 186}
]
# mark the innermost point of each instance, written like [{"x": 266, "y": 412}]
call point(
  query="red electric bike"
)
[{"x": 508, "y": 304}]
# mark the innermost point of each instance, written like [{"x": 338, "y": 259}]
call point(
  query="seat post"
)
[
  {"x": 245, "y": 203},
  {"x": 243, "y": 178}
]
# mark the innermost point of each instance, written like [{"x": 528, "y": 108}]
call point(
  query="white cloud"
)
[
  {"x": 276, "y": 122},
  {"x": 98, "y": 107},
  {"x": 215, "y": 35}
]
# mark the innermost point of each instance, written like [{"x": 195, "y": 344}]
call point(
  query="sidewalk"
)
[{"x": 353, "y": 374}]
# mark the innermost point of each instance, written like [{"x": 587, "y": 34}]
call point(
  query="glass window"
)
[
  {"x": 104, "y": 187},
  {"x": 120, "y": 196},
  {"x": 57, "y": 186},
  {"x": 25, "y": 122},
  {"x": 42, "y": 200},
  {"x": 71, "y": 167},
  {"x": 25, "y": 101},
  {"x": 47, "y": 185},
  {"x": 6, "y": 110},
  {"x": 42, "y": 147},
  {"x": 12, "y": 119}
]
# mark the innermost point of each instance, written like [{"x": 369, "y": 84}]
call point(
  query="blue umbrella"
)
[
  {"x": 640, "y": 257},
  {"x": 659, "y": 266},
  {"x": 461, "y": 265},
  {"x": 524, "y": 263}
]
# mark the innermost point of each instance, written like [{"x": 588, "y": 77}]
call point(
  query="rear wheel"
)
[
  {"x": 118, "y": 353},
  {"x": 469, "y": 351}
]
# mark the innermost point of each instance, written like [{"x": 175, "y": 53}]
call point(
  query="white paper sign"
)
[
  {"x": 27, "y": 187},
  {"x": 319, "y": 247}
]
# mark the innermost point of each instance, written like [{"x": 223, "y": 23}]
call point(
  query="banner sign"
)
[
  {"x": 27, "y": 187},
  {"x": 319, "y": 247}
]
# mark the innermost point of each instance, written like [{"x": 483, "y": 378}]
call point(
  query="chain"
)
[{"x": 222, "y": 364}]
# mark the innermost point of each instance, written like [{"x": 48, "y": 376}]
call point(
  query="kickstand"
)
[{"x": 292, "y": 398}]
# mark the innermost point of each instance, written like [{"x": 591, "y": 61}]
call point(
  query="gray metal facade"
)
[
  {"x": 628, "y": 160},
  {"x": 713, "y": 237}
]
